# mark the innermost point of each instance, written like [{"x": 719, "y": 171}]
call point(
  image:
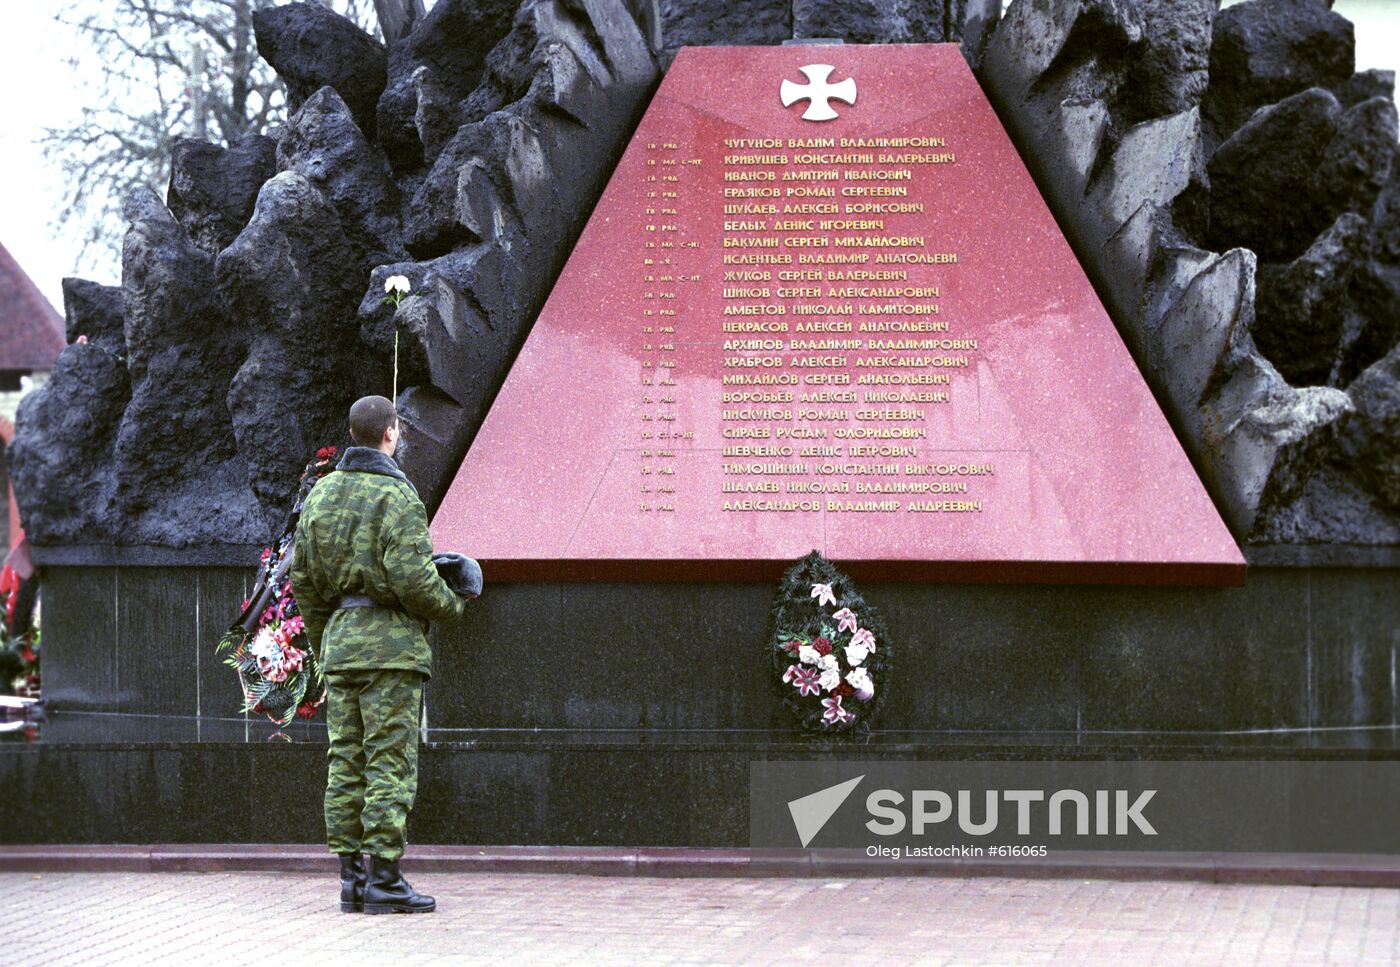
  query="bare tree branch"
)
[{"x": 149, "y": 92}]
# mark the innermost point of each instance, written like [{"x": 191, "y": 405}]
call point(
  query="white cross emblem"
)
[{"x": 819, "y": 92}]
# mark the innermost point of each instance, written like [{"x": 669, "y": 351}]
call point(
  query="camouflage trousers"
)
[{"x": 372, "y": 717}]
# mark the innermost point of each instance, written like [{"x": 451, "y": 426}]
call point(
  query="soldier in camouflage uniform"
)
[{"x": 367, "y": 588}]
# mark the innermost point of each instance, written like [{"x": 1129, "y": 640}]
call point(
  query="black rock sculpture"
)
[
  {"x": 311, "y": 47},
  {"x": 1254, "y": 265},
  {"x": 251, "y": 308},
  {"x": 1242, "y": 223}
]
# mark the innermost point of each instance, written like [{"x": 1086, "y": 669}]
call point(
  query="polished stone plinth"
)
[
  {"x": 1293, "y": 648},
  {"x": 101, "y": 778},
  {"x": 619, "y": 447}
]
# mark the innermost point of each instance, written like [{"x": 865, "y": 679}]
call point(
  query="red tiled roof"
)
[{"x": 31, "y": 330}]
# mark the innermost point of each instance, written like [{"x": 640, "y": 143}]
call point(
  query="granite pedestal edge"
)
[{"x": 1303, "y": 869}]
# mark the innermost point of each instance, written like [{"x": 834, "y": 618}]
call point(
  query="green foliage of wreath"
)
[{"x": 802, "y": 619}]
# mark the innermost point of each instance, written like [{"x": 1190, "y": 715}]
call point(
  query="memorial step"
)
[{"x": 161, "y": 779}]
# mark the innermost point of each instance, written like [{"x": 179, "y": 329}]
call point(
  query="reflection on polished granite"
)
[
  {"x": 127, "y": 731},
  {"x": 117, "y": 778}
]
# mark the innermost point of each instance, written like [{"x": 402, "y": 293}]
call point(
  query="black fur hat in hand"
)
[{"x": 462, "y": 574}]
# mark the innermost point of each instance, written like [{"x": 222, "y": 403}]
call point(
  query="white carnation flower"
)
[
  {"x": 855, "y": 654},
  {"x": 830, "y": 679},
  {"x": 859, "y": 679},
  {"x": 265, "y": 644},
  {"x": 808, "y": 655}
]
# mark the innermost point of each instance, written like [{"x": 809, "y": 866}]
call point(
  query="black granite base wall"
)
[
  {"x": 1293, "y": 648},
  {"x": 141, "y": 639},
  {"x": 126, "y": 779}
]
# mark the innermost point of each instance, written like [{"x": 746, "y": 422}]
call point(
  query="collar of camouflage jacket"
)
[{"x": 371, "y": 460}]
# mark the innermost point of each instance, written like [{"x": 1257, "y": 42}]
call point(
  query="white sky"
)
[{"x": 40, "y": 90}]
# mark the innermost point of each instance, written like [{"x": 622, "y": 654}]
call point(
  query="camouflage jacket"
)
[{"x": 364, "y": 531}]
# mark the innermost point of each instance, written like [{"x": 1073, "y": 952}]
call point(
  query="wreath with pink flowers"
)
[
  {"x": 829, "y": 650},
  {"x": 277, "y": 671}
]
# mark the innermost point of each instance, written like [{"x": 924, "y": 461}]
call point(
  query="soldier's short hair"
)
[{"x": 370, "y": 416}]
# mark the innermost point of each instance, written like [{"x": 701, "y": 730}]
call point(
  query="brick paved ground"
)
[{"x": 208, "y": 919}]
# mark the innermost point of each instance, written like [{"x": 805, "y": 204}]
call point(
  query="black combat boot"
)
[
  {"x": 389, "y": 892},
  {"x": 352, "y": 882}
]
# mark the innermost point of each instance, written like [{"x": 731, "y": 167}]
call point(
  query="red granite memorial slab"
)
[{"x": 848, "y": 322}]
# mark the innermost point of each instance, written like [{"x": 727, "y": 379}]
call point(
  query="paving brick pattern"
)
[{"x": 208, "y": 919}]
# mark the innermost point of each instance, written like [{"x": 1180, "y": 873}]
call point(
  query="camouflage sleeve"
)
[
  {"x": 408, "y": 560},
  {"x": 315, "y": 610}
]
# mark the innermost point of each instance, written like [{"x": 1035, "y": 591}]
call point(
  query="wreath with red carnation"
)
[
  {"x": 267, "y": 646},
  {"x": 830, "y": 654}
]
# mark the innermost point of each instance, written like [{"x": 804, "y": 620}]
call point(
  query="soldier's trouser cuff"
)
[
  {"x": 344, "y": 834},
  {"x": 339, "y": 844}
]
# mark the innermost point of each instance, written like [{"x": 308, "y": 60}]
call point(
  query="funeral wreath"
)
[
  {"x": 829, "y": 650},
  {"x": 267, "y": 647}
]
